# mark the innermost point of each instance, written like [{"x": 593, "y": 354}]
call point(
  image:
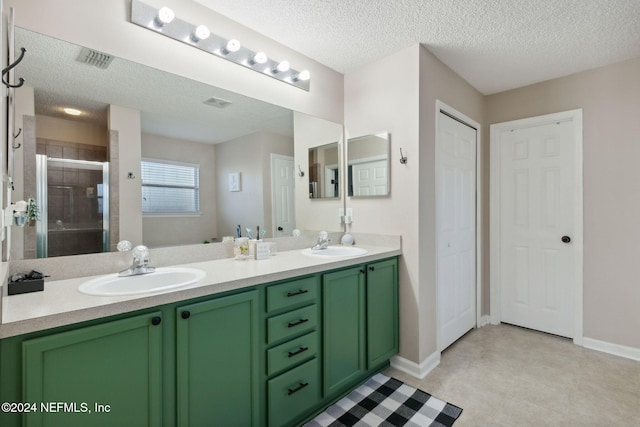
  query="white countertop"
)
[{"x": 62, "y": 304}]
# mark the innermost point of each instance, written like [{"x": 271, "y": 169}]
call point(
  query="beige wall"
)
[
  {"x": 126, "y": 122},
  {"x": 158, "y": 231},
  {"x": 384, "y": 97},
  {"x": 610, "y": 101},
  {"x": 72, "y": 131},
  {"x": 439, "y": 82},
  {"x": 314, "y": 214},
  {"x": 251, "y": 156},
  {"x": 104, "y": 25},
  {"x": 398, "y": 94}
]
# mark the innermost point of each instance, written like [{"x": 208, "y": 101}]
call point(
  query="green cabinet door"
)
[
  {"x": 103, "y": 375},
  {"x": 382, "y": 312},
  {"x": 343, "y": 317},
  {"x": 217, "y": 362}
]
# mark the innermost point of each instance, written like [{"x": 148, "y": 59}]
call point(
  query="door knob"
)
[
  {"x": 566, "y": 239},
  {"x": 280, "y": 228}
]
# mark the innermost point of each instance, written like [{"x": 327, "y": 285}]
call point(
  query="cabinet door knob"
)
[
  {"x": 362, "y": 271},
  {"x": 566, "y": 239},
  {"x": 280, "y": 228},
  {"x": 185, "y": 314},
  {"x": 156, "y": 320},
  {"x": 372, "y": 268}
]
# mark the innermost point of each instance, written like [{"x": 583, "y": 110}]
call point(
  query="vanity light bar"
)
[{"x": 164, "y": 21}]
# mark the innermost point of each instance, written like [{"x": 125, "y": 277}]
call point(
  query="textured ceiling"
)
[
  {"x": 170, "y": 105},
  {"x": 495, "y": 45}
]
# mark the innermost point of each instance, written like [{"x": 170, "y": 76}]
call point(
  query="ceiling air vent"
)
[
  {"x": 95, "y": 58},
  {"x": 218, "y": 102}
]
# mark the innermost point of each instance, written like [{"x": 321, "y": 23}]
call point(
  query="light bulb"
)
[
  {"x": 201, "y": 33},
  {"x": 282, "y": 67},
  {"x": 233, "y": 45},
  {"x": 165, "y": 15},
  {"x": 72, "y": 111},
  {"x": 303, "y": 75},
  {"x": 259, "y": 58}
]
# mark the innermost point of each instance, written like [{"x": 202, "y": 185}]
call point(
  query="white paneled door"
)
[
  {"x": 282, "y": 187},
  {"x": 456, "y": 226},
  {"x": 370, "y": 178},
  {"x": 537, "y": 188}
]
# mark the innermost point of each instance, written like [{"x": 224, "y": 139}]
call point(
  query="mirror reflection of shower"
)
[{"x": 74, "y": 207}]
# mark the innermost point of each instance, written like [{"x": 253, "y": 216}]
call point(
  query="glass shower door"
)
[{"x": 73, "y": 196}]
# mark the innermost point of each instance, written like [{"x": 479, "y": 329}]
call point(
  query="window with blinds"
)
[{"x": 170, "y": 187}]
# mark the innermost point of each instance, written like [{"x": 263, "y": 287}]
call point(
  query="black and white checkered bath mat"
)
[{"x": 384, "y": 401}]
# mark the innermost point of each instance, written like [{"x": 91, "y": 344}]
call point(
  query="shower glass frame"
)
[{"x": 42, "y": 226}]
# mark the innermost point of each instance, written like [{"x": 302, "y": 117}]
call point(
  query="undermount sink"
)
[
  {"x": 164, "y": 278},
  {"x": 335, "y": 252}
]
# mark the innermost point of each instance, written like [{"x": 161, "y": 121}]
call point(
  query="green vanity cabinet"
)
[
  {"x": 360, "y": 323},
  {"x": 217, "y": 362},
  {"x": 273, "y": 354},
  {"x": 108, "y": 374}
]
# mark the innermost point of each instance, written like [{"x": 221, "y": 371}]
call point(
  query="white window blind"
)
[{"x": 170, "y": 187}]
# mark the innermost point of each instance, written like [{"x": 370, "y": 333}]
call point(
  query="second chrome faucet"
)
[{"x": 140, "y": 263}]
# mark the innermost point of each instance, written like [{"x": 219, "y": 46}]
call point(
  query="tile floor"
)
[{"x": 509, "y": 376}]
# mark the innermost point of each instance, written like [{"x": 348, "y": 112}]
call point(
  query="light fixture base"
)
[{"x": 182, "y": 31}]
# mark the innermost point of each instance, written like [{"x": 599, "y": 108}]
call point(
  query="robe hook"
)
[
  {"x": 18, "y": 145},
  {"x": 403, "y": 158},
  {"x": 12, "y": 66}
]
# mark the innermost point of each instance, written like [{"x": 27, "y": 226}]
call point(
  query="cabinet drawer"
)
[
  {"x": 293, "y": 392},
  {"x": 288, "y": 354},
  {"x": 292, "y": 293},
  {"x": 292, "y": 323}
]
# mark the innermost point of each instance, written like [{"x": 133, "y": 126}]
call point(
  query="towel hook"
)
[
  {"x": 18, "y": 145},
  {"x": 12, "y": 66},
  {"x": 300, "y": 172},
  {"x": 403, "y": 158}
]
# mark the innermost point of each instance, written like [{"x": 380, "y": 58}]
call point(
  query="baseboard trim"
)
[
  {"x": 484, "y": 320},
  {"x": 418, "y": 371},
  {"x": 615, "y": 349}
]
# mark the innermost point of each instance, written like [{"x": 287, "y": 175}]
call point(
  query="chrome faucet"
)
[
  {"x": 322, "y": 242},
  {"x": 140, "y": 264}
]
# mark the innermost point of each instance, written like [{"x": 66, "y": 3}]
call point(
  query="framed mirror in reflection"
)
[
  {"x": 127, "y": 112},
  {"x": 324, "y": 171},
  {"x": 368, "y": 165}
]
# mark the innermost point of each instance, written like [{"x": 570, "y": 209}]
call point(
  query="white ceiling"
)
[{"x": 495, "y": 45}]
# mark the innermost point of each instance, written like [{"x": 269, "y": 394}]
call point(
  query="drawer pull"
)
[
  {"x": 300, "y": 350},
  {"x": 299, "y": 322},
  {"x": 297, "y": 389},
  {"x": 298, "y": 292}
]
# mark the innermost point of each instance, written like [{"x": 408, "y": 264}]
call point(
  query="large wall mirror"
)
[
  {"x": 211, "y": 155},
  {"x": 368, "y": 165}
]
